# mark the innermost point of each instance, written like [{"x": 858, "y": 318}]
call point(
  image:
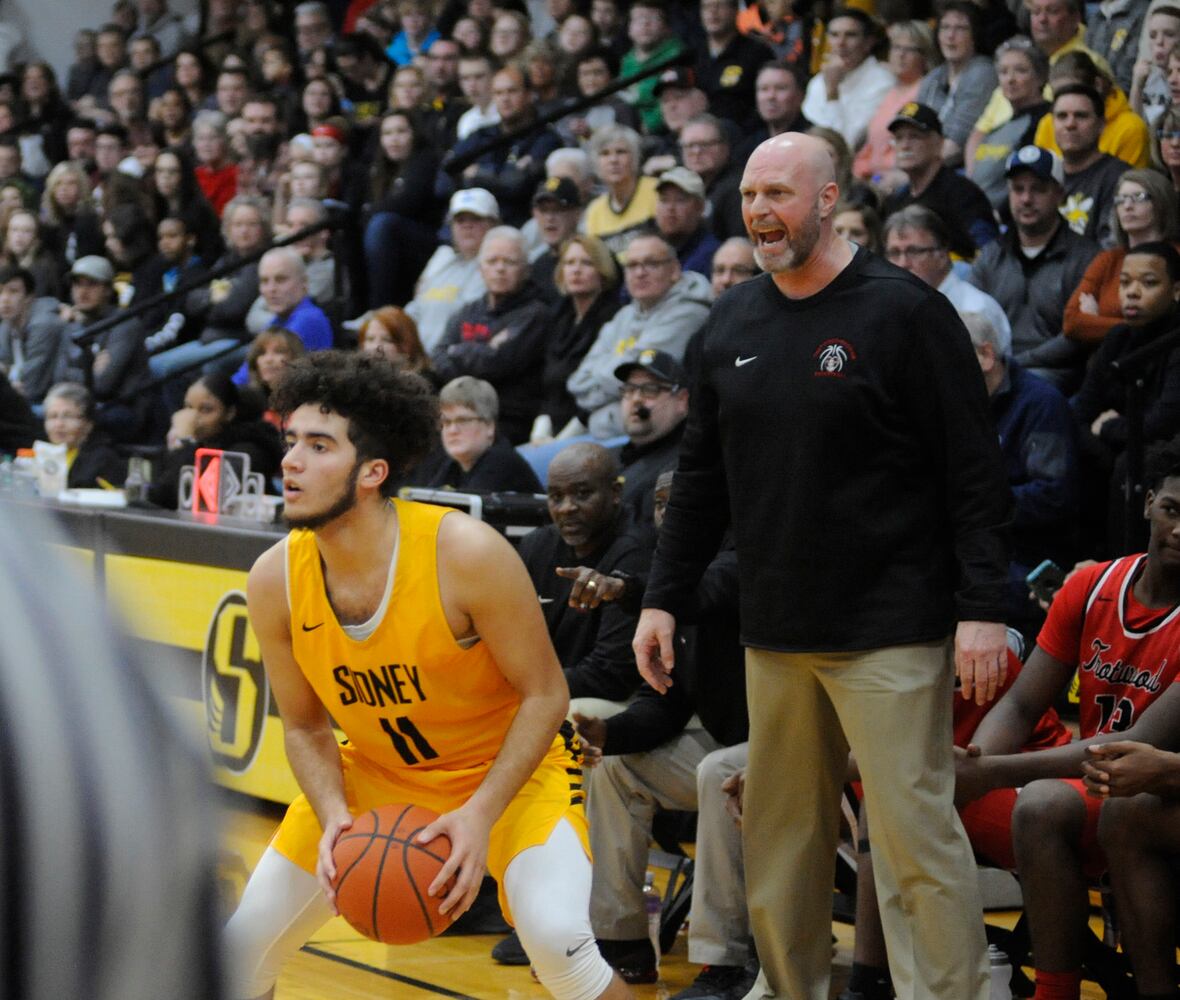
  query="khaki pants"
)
[{"x": 893, "y": 707}]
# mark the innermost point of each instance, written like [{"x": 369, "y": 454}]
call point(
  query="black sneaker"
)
[
  {"x": 510, "y": 951},
  {"x": 719, "y": 982},
  {"x": 633, "y": 960}
]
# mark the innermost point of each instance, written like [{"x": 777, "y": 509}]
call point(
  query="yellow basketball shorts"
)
[{"x": 554, "y": 791}]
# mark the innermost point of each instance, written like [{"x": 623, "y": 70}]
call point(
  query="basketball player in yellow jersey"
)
[{"x": 418, "y": 630}]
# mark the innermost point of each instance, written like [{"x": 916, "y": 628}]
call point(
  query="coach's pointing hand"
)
[
  {"x": 653, "y": 647},
  {"x": 981, "y": 659}
]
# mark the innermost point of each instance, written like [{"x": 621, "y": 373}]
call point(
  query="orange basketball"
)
[{"x": 382, "y": 875}]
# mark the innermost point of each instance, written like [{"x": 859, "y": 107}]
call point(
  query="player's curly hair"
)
[
  {"x": 391, "y": 413},
  {"x": 1161, "y": 462}
]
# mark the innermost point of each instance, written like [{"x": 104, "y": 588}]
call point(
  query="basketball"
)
[{"x": 382, "y": 875}]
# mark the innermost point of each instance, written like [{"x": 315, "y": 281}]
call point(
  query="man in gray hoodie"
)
[{"x": 667, "y": 307}]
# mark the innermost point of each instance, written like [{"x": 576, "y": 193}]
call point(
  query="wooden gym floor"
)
[{"x": 339, "y": 964}]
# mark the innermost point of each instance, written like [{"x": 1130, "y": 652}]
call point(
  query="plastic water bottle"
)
[
  {"x": 1001, "y": 973},
  {"x": 652, "y": 907}
]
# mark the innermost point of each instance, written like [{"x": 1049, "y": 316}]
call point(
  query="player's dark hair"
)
[
  {"x": 392, "y": 414},
  {"x": 1164, "y": 251},
  {"x": 1161, "y": 462}
]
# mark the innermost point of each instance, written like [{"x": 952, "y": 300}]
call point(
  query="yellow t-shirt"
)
[{"x": 616, "y": 228}]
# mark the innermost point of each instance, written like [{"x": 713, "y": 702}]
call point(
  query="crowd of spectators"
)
[{"x": 544, "y": 249}]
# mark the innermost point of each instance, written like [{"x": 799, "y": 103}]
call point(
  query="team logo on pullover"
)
[{"x": 831, "y": 358}]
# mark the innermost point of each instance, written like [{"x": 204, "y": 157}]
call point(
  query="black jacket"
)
[
  {"x": 513, "y": 367},
  {"x": 594, "y": 646},
  {"x": 500, "y": 469},
  {"x": 568, "y": 341},
  {"x": 846, "y": 437},
  {"x": 96, "y": 459},
  {"x": 1103, "y": 389}
]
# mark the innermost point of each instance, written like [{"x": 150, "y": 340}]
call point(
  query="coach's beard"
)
[{"x": 797, "y": 251}]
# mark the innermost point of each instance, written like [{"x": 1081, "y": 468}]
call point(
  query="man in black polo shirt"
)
[
  {"x": 728, "y": 63},
  {"x": 917, "y": 136},
  {"x": 779, "y": 90}
]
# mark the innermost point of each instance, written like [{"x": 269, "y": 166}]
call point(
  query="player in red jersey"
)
[{"x": 1117, "y": 625}]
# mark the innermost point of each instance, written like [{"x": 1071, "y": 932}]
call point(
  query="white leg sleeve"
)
[
  {"x": 548, "y": 890},
  {"x": 281, "y": 908}
]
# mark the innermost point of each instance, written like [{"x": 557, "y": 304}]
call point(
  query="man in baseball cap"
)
[
  {"x": 557, "y": 207},
  {"x": 1032, "y": 270},
  {"x": 1037, "y": 161},
  {"x": 680, "y": 99},
  {"x": 653, "y": 407},
  {"x": 477, "y": 202},
  {"x": 451, "y": 276},
  {"x": 962, "y": 206},
  {"x": 680, "y": 219},
  {"x": 115, "y": 360}
]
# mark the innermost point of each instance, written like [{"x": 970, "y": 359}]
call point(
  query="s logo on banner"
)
[{"x": 234, "y": 686}]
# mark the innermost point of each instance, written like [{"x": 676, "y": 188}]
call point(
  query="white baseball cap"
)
[{"x": 474, "y": 201}]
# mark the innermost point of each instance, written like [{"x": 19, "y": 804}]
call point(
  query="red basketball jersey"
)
[{"x": 1126, "y": 653}]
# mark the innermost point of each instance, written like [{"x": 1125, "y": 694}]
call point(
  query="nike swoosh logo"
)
[
  {"x": 739, "y": 360},
  {"x": 571, "y": 952},
  {"x": 312, "y": 628},
  {"x": 545, "y": 600}
]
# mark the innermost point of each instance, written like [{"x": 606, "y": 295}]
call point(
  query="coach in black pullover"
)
[
  {"x": 856, "y": 456},
  {"x": 840, "y": 421}
]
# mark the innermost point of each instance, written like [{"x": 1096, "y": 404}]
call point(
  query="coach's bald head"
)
[{"x": 789, "y": 196}]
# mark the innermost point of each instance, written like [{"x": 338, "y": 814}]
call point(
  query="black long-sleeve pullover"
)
[{"x": 847, "y": 438}]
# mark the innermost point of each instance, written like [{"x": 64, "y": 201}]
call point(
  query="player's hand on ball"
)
[
  {"x": 325, "y": 869},
  {"x": 653, "y": 647},
  {"x": 468, "y": 832},
  {"x": 981, "y": 659}
]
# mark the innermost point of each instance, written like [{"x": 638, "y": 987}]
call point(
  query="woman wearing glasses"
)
[
  {"x": 1145, "y": 210},
  {"x": 472, "y": 457}
]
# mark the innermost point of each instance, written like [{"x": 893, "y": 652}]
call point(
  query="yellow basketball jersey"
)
[{"x": 409, "y": 696}]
